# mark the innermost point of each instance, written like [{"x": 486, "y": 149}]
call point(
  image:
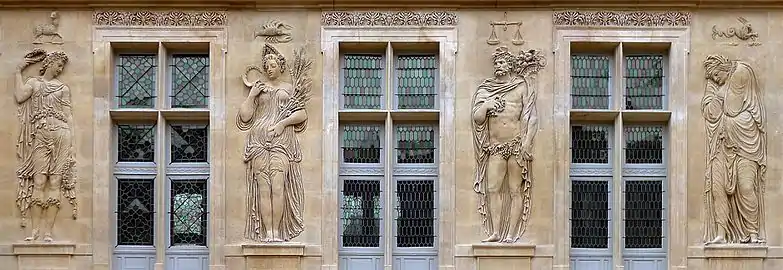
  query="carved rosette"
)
[
  {"x": 159, "y": 18},
  {"x": 399, "y": 18},
  {"x": 622, "y": 18}
]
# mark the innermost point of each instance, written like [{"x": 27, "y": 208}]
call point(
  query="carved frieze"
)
[
  {"x": 159, "y": 18},
  {"x": 743, "y": 32},
  {"x": 384, "y": 18},
  {"x": 622, "y": 18}
]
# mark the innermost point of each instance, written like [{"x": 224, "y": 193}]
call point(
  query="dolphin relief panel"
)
[
  {"x": 736, "y": 153},
  {"x": 504, "y": 121},
  {"x": 272, "y": 115}
]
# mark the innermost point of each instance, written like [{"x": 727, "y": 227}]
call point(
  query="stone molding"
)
[
  {"x": 158, "y": 18},
  {"x": 504, "y": 250},
  {"x": 621, "y": 18},
  {"x": 388, "y": 18},
  {"x": 44, "y": 248},
  {"x": 283, "y": 249}
]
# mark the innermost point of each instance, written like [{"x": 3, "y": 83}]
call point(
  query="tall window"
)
[
  {"x": 162, "y": 157},
  {"x": 618, "y": 158},
  {"x": 388, "y": 151}
]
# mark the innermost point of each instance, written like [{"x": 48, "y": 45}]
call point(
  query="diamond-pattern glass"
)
[
  {"x": 188, "y": 212},
  {"x": 589, "y": 144},
  {"x": 644, "y": 82},
  {"x": 643, "y": 144},
  {"x": 361, "y": 213},
  {"x": 363, "y": 81},
  {"x": 416, "y": 86},
  {"x": 189, "y": 143},
  {"x": 135, "y": 211},
  {"x": 190, "y": 81},
  {"x": 590, "y": 81},
  {"x": 643, "y": 214},
  {"x": 589, "y": 214},
  {"x": 136, "y": 75},
  {"x": 136, "y": 143},
  {"x": 361, "y": 144},
  {"x": 415, "y": 143},
  {"x": 415, "y": 213}
]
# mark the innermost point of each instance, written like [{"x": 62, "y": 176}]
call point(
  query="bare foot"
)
[
  {"x": 718, "y": 240},
  {"x": 509, "y": 240},
  {"x": 48, "y": 238},
  {"x": 754, "y": 239},
  {"x": 32, "y": 237},
  {"x": 492, "y": 238}
]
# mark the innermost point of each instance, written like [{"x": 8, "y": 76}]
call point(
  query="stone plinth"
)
[
  {"x": 503, "y": 256},
  {"x": 731, "y": 257},
  {"x": 277, "y": 256},
  {"x": 44, "y": 256}
]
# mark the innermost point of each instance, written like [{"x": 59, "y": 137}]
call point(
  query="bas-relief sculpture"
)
[
  {"x": 272, "y": 114},
  {"x": 744, "y": 33},
  {"x": 505, "y": 23},
  {"x": 274, "y": 31},
  {"x": 45, "y": 151},
  {"x": 48, "y": 31},
  {"x": 159, "y": 18},
  {"x": 736, "y": 153},
  {"x": 621, "y": 18},
  {"x": 388, "y": 18},
  {"x": 504, "y": 124}
]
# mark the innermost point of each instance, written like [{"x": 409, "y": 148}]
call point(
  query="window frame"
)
[
  {"x": 169, "y": 89},
  {"x": 384, "y": 78},
  {"x": 395, "y": 80}
]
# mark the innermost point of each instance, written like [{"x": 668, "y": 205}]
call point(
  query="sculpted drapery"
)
[
  {"x": 504, "y": 124},
  {"x": 736, "y": 153}
]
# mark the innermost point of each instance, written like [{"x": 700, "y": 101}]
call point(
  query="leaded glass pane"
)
[
  {"x": 136, "y": 81},
  {"x": 589, "y": 144},
  {"x": 188, "y": 212},
  {"x": 415, "y": 213},
  {"x": 189, "y": 143},
  {"x": 189, "y": 81},
  {"x": 361, "y": 144},
  {"x": 361, "y": 213},
  {"x": 644, "y": 144},
  {"x": 644, "y": 82},
  {"x": 590, "y": 81},
  {"x": 589, "y": 214},
  {"x": 415, "y": 144},
  {"x": 416, "y": 87},
  {"x": 136, "y": 143},
  {"x": 363, "y": 81},
  {"x": 135, "y": 211},
  {"x": 643, "y": 214}
]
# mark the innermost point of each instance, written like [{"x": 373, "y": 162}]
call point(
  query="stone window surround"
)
[
  {"x": 331, "y": 36},
  {"x": 103, "y": 127},
  {"x": 678, "y": 38}
]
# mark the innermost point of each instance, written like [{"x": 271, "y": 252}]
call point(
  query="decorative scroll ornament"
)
[
  {"x": 744, "y": 32},
  {"x": 493, "y": 36},
  {"x": 48, "y": 32},
  {"x": 159, "y": 18},
  {"x": 273, "y": 114},
  {"x": 622, "y": 18},
  {"x": 509, "y": 97},
  {"x": 46, "y": 171},
  {"x": 382, "y": 18},
  {"x": 275, "y": 31},
  {"x": 736, "y": 155}
]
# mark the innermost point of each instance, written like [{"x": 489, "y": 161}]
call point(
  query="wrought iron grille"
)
[
  {"x": 644, "y": 82},
  {"x": 643, "y": 214},
  {"x": 361, "y": 213},
  {"x": 136, "y": 143},
  {"x": 415, "y": 213},
  {"x": 644, "y": 144},
  {"x": 589, "y": 144},
  {"x": 589, "y": 214},
  {"x": 363, "y": 81},
  {"x": 415, "y": 144},
  {"x": 416, "y": 78},
  {"x": 189, "y": 81},
  {"x": 135, "y": 211},
  {"x": 361, "y": 144},
  {"x": 136, "y": 81},
  {"x": 188, "y": 212},
  {"x": 189, "y": 143},
  {"x": 590, "y": 81}
]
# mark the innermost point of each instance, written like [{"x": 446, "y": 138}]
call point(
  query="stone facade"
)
[{"x": 738, "y": 230}]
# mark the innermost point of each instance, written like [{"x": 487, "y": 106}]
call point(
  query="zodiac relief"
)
[
  {"x": 275, "y": 31},
  {"x": 48, "y": 30},
  {"x": 505, "y": 23},
  {"x": 736, "y": 153},
  {"x": 272, "y": 114},
  {"x": 744, "y": 32},
  {"x": 504, "y": 124},
  {"x": 45, "y": 151}
]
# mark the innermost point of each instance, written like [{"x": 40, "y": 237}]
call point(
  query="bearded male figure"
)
[
  {"x": 273, "y": 113},
  {"x": 736, "y": 153},
  {"x": 45, "y": 143},
  {"x": 504, "y": 125}
]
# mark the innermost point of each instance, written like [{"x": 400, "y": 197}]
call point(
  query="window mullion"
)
[
  {"x": 161, "y": 190},
  {"x": 617, "y": 199},
  {"x": 389, "y": 239}
]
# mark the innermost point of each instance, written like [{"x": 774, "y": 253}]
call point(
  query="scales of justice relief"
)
[{"x": 505, "y": 23}]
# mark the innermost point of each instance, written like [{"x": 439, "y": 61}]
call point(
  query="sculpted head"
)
[
  {"x": 502, "y": 61},
  {"x": 53, "y": 64},
  {"x": 718, "y": 68},
  {"x": 274, "y": 65}
]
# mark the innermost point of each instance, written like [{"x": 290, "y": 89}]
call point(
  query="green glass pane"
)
[
  {"x": 362, "y": 81},
  {"x": 416, "y": 87},
  {"x": 136, "y": 81},
  {"x": 644, "y": 82},
  {"x": 590, "y": 81},
  {"x": 190, "y": 81}
]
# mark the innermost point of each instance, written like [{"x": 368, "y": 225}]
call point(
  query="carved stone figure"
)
[
  {"x": 48, "y": 30},
  {"x": 505, "y": 23},
  {"x": 275, "y": 32},
  {"x": 45, "y": 145},
  {"x": 272, "y": 114},
  {"x": 744, "y": 32},
  {"x": 504, "y": 121},
  {"x": 736, "y": 153}
]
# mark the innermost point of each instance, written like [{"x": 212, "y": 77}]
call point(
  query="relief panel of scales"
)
[{"x": 504, "y": 24}]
